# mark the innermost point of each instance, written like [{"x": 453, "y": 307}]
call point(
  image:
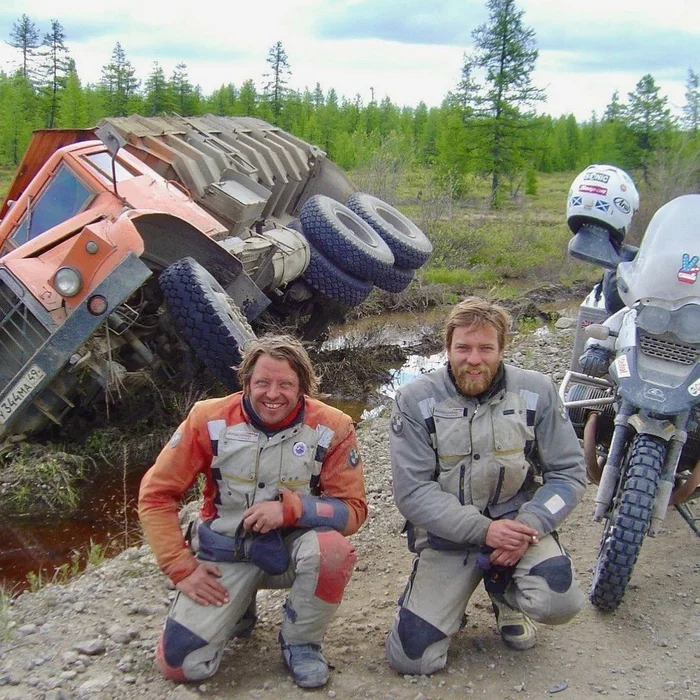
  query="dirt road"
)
[{"x": 95, "y": 636}]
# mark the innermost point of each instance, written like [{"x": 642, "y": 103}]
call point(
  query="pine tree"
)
[
  {"x": 118, "y": 83},
  {"x": 54, "y": 68},
  {"x": 182, "y": 91},
  {"x": 25, "y": 37},
  {"x": 158, "y": 95},
  {"x": 276, "y": 86},
  {"x": 691, "y": 108},
  {"x": 505, "y": 53}
]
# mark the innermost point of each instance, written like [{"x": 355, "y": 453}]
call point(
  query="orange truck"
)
[{"x": 145, "y": 242}]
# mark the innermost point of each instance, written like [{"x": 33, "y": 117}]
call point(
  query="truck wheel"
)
[
  {"x": 345, "y": 239},
  {"x": 626, "y": 527},
  {"x": 396, "y": 280},
  {"x": 206, "y": 317},
  {"x": 410, "y": 246},
  {"x": 330, "y": 280}
]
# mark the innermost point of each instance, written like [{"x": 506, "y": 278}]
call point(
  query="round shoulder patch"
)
[
  {"x": 353, "y": 457},
  {"x": 175, "y": 439},
  {"x": 299, "y": 449},
  {"x": 397, "y": 424}
]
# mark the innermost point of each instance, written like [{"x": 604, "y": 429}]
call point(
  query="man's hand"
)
[
  {"x": 508, "y": 557},
  {"x": 510, "y": 534},
  {"x": 202, "y": 587},
  {"x": 263, "y": 517}
]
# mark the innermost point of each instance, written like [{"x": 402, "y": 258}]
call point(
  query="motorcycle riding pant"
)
[
  {"x": 543, "y": 586},
  {"x": 194, "y": 636}
]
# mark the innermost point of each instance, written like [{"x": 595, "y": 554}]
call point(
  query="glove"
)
[{"x": 595, "y": 360}]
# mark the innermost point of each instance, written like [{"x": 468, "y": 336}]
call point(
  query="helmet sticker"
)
[
  {"x": 597, "y": 177},
  {"x": 577, "y": 201},
  {"x": 593, "y": 189},
  {"x": 602, "y": 205},
  {"x": 622, "y": 205}
]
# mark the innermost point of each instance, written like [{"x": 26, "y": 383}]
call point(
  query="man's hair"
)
[
  {"x": 474, "y": 312},
  {"x": 279, "y": 347}
]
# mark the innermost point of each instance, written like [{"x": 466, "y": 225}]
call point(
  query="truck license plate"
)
[{"x": 12, "y": 400}]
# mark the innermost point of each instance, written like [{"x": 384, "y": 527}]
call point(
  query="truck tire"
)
[
  {"x": 345, "y": 239},
  {"x": 330, "y": 280},
  {"x": 627, "y": 525},
  {"x": 206, "y": 317},
  {"x": 410, "y": 246},
  {"x": 396, "y": 280}
]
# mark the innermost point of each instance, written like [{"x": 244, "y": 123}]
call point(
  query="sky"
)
[{"x": 407, "y": 50}]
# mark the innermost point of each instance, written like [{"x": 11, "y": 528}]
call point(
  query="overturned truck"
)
[{"x": 124, "y": 246}]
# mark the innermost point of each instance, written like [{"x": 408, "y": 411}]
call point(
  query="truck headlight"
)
[{"x": 67, "y": 281}]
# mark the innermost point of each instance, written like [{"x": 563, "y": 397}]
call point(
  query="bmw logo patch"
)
[
  {"x": 175, "y": 439},
  {"x": 397, "y": 424},
  {"x": 353, "y": 457},
  {"x": 299, "y": 449}
]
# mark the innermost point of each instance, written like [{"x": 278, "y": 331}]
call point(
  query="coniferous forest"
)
[{"x": 486, "y": 127}]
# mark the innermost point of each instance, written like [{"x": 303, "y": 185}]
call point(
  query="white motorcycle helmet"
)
[{"x": 602, "y": 194}]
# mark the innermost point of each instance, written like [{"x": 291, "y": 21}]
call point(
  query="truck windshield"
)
[
  {"x": 103, "y": 162},
  {"x": 62, "y": 198}
]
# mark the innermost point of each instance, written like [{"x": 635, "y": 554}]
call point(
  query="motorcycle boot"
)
[
  {"x": 306, "y": 663},
  {"x": 517, "y": 630}
]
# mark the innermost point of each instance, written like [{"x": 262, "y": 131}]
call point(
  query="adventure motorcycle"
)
[{"x": 634, "y": 393}]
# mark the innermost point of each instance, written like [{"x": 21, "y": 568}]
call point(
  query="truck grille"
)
[
  {"x": 21, "y": 333},
  {"x": 670, "y": 350}
]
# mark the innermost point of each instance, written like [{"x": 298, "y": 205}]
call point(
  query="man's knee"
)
[
  {"x": 184, "y": 656},
  {"x": 549, "y": 592},
  {"x": 336, "y": 560},
  {"x": 415, "y": 646}
]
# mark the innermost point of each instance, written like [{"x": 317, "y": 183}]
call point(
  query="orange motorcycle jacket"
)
[{"x": 312, "y": 465}]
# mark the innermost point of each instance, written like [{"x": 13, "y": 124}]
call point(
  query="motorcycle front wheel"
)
[{"x": 628, "y": 523}]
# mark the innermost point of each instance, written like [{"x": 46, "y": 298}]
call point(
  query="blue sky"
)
[{"x": 408, "y": 50}]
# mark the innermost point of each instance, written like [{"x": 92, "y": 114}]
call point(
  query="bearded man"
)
[{"x": 485, "y": 466}]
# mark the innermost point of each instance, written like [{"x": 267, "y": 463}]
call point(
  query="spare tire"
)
[
  {"x": 335, "y": 283},
  {"x": 206, "y": 317},
  {"x": 396, "y": 280},
  {"x": 410, "y": 246},
  {"x": 345, "y": 239}
]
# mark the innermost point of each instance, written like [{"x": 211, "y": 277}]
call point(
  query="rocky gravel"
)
[{"x": 94, "y": 637}]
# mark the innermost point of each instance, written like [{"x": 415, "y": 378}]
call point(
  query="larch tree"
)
[
  {"x": 275, "y": 87},
  {"x": 55, "y": 62},
  {"x": 183, "y": 93},
  {"x": 159, "y": 96},
  {"x": 691, "y": 108},
  {"x": 25, "y": 37},
  {"x": 119, "y": 83},
  {"x": 504, "y": 54}
]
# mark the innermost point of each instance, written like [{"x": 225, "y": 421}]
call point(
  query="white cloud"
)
[{"x": 613, "y": 45}]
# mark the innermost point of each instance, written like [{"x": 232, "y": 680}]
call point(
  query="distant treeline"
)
[{"x": 46, "y": 91}]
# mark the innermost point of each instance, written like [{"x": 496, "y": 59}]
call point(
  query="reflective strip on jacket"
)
[
  {"x": 242, "y": 466},
  {"x": 457, "y": 463}
]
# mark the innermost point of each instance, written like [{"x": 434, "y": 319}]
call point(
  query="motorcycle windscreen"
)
[{"x": 665, "y": 270}]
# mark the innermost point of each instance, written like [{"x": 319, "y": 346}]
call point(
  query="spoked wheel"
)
[{"x": 628, "y": 523}]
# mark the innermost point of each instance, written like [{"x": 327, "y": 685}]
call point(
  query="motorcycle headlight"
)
[
  {"x": 653, "y": 319},
  {"x": 67, "y": 281},
  {"x": 685, "y": 323}
]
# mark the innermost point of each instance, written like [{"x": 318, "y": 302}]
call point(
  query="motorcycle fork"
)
[
  {"x": 610, "y": 476},
  {"x": 668, "y": 473}
]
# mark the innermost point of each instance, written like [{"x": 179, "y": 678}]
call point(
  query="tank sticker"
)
[
  {"x": 622, "y": 367},
  {"x": 689, "y": 269},
  {"x": 593, "y": 189},
  {"x": 694, "y": 388}
]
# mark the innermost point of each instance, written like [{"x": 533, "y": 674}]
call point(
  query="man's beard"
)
[{"x": 472, "y": 386}]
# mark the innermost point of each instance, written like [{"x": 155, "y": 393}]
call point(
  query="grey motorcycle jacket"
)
[{"x": 458, "y": 463}]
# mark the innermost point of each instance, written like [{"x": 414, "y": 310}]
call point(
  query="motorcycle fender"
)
[{"x": 645, "y": 425}]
